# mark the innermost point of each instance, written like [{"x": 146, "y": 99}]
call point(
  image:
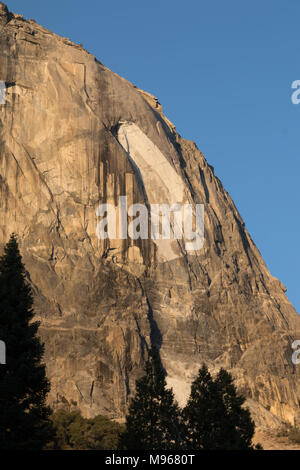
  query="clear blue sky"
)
[{"x": 223, "y": 72}]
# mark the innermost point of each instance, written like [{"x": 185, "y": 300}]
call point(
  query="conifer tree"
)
[
  {"x": 153, "y": 419},
  {"x": 24, "y": 416},
  {"x": 214, "y": 417}
]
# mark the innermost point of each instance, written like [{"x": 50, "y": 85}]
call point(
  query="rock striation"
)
[{"x": 73, "y": 135}]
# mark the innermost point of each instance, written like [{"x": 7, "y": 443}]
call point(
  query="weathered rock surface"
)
[{"x": 74, "y": 134}]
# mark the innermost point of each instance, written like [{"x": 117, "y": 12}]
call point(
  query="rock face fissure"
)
[{"x": 73, "y": 135}]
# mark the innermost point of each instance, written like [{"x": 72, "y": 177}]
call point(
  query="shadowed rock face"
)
[
  {"x": 4, "y": 15},
  {"x": 73, "y": 134}
]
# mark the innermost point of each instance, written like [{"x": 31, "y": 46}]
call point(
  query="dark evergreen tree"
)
[
  {"x": 153, "y": 419},
  {"x": 214, "y": 417},
  {"x": 24, "y": 416}
]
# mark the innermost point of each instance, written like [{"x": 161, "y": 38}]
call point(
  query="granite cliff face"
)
[{"x": 74, "y": 134}]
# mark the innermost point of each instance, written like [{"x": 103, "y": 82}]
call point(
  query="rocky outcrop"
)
[
  {"x": 5, "y": 16},
  {"x": 73, "y": 134}
]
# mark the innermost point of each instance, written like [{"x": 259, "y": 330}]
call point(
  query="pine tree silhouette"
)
[
  {"x": 214, "y": 416},
  {"x": 24, "y": 416},
  {"x": 153, "y": 419}
]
